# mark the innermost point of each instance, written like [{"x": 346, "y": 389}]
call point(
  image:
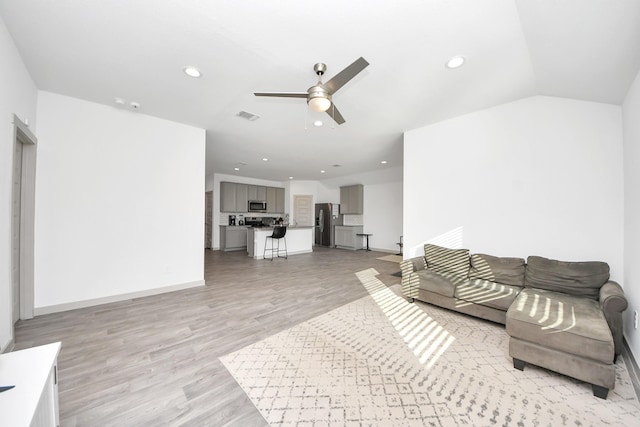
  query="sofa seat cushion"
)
[
  {"x": 505, "y": 270},
  {"x": 583, "y": 279},
  {"x": 447, "y": 261},
  {"x": 485, "y": 292},
  {"x": 440, "y": 283},
  {"x": 574, "y": 325}
]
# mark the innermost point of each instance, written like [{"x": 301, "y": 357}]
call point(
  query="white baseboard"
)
[
  {"x": 38, "y": 311},
  {"x": 8, "y": 347}
]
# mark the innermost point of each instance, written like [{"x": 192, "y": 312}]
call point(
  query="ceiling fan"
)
[{"x": 319, "y": 95}]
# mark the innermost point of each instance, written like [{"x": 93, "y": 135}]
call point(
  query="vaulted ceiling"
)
[{"x": 136, "y": 50}]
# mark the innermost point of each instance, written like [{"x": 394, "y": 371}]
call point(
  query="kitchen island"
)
[{"x": 299, "y": 240}]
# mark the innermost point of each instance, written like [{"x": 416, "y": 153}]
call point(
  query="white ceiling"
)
[{"x": 136, "y": 50}]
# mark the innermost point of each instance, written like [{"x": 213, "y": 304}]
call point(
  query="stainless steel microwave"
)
[{"x": 257, "y": 206}]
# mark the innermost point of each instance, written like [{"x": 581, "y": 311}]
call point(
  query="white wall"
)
[
  {"x": 119, "y": 203},
  {"x": 19, "y": 97},
  {"x": 540, "y": 176},
  {"x": 631, "y": 118}
]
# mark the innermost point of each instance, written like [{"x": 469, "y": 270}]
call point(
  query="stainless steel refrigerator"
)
[{"x": 327, "y": 217}]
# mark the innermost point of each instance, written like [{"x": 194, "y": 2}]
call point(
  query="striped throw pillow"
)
[{"x": 447, "y": 261}]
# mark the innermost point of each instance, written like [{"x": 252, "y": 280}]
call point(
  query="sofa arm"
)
[
  {"x": 409, "y": 279},
  {"x": 613, "y": 303}
]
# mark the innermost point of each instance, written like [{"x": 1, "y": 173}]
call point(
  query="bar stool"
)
[{"x": 278, "y": 233}]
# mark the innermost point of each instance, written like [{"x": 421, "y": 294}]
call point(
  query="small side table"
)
[
  {"x": 367, "y": 236},
  {"x": 401, "y": 245}
]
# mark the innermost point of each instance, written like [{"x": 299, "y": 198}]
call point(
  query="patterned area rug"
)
[{"x": 380, "y": 361}]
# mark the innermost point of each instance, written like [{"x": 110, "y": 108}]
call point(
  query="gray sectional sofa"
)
[{"x": 562, "y": 316}]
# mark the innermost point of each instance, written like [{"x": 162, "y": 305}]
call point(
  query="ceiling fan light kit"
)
[
  {"x": 319, "y": 99},
  {"x": 319, "y": 96}
]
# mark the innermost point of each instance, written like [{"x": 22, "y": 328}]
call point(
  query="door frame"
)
[{"x": 23, "y": 135}]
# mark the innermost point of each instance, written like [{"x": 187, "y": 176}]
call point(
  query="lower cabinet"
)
[
  {"x": 347, "y": 237},
  {"x": 233, "y": 238}
]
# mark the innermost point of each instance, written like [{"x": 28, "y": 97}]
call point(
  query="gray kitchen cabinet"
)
[
  {"x": 233, "y": 238},
  {"x": 257, "y": 192},
  {"x": 228, "y": 197},
  {"x": 352, "y": 199},
  {"x": 252, "y": 193},
  {"x": 261, "y": 193},
  {"x": 271, "y": 199},
  {"x": 234, "y": 197},
  {"x": 346, "y": 236},
  {"x": 280, "y": 200},
  {"x": 242, "y": 198}
]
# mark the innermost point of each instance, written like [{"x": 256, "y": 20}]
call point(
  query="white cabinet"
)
[
  {"x": 347, "y": 236},
  {"x": 34, "y": 400},
  {"x": 352, "y": 199},
  {"x": 233, "y": 238}
]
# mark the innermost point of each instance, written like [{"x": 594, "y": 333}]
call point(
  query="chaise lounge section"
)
[{"x": 562, "y": 316}]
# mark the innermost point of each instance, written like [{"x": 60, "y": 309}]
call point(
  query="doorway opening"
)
[{"x": 22, "y": 221}]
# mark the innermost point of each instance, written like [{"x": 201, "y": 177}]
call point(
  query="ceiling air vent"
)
[{"x": 248, "y": 116}]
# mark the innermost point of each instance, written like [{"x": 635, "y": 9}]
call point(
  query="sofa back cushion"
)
[
  {"x": 574, "y": 278},
  {"x": 448, "y": 261},
  {"x": 507, "y": 271}
]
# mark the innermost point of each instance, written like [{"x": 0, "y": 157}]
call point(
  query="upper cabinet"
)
[
  {"x": 228, "y": 197},
  {"x": 279, "y": 200},
  {"x": 234, "y": 197},
  {"x": 257, "y": 192},
  {"x": 271, "y": 199},
  {"x": 352, "y": 199},
  {"x": 242, "y": 197},
  {"x": 275, "y": 200}
]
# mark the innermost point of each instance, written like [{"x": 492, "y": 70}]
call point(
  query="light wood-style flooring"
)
[{"x": 153, "y": 361}]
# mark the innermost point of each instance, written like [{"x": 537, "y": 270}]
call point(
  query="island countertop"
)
[{"x": 299, "y": 240}]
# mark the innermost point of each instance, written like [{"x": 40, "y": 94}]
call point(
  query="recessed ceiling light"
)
[
  {"x": 290, "y": 177},
  {"x": 455, "y": 62},
  {"x": 236, "y": 169},
  {"x": 192, "y": 72},
  {"x": 384, "y": 162},
  {"x": 318, "y": 123},
  {"x": 264, "y": 159},
  {"x": 322, "y": 171}
]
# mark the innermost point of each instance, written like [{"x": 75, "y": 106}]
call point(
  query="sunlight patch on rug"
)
[
  {"x": 423, "y": 335},
  {"x": 361, "y": 365}
]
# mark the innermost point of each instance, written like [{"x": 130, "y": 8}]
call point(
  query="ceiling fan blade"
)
[
  {"x": 345, "y": 75},
  {"x": 335, "y": 114},
  {"x": 283, "y": 94}
]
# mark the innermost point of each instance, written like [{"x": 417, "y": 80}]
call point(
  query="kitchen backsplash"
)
[{"x": 353, "y": 219}]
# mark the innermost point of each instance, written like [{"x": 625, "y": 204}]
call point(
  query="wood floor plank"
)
[{"x": 154, "y": 360}]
